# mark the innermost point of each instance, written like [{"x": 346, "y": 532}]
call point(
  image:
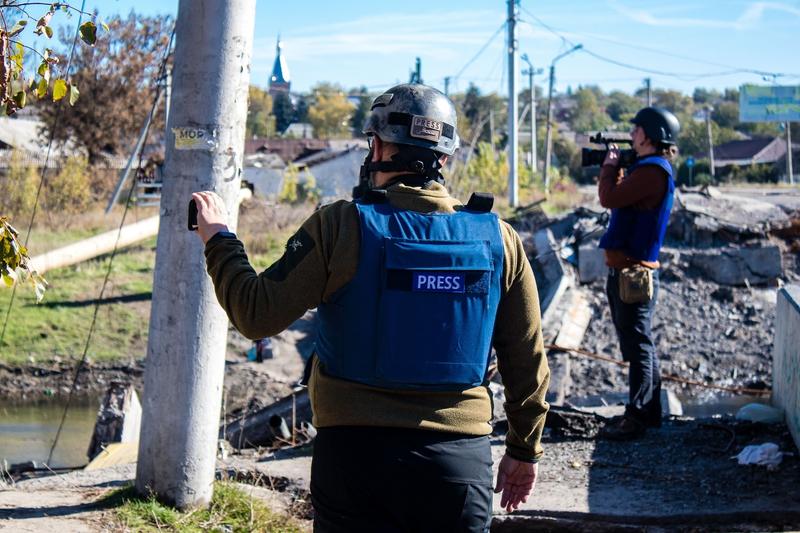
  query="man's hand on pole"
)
[
  {"x": 212, "y": 216},
  {"x": 515, "y": 479}
]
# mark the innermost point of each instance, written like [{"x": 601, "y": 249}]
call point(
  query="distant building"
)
[
  {"x": 280, "y": 80},
  {"x": 749, "y": 151},
  {"x": 333, "y": 163}
]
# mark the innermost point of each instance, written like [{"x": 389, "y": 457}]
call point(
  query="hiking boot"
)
[{"x": 625, "y": 428}]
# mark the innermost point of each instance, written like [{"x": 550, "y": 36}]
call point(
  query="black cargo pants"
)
[
  {"x": 633, "y": 325},
  {"x": 367, "y": 479}
]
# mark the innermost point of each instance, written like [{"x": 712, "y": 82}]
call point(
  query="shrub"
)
[
  {"x": 68, "y": 192},
  {"x": 18, "y": 186},
  {"x": 288, "y": 192}
]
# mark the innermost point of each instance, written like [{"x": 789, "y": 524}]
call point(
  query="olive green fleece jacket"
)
[{"x": 322, "y": 257}]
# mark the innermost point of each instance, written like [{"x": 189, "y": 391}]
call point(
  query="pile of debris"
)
[{"x": 714, "y": 322}]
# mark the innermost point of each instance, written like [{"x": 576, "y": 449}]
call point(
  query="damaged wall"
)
[{"x": 786, "y": 358}]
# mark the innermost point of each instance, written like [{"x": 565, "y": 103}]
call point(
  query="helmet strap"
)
[{"x": 411, "y": 160}]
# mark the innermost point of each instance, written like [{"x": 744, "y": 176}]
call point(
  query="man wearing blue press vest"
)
[
  {"x": 413, "y": 290},
  {"x": 640, "y": 201}
]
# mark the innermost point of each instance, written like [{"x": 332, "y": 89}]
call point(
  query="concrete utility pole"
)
[
  {"x": 549, "y": 134},
  {"x": 789, "y": 153},
  {"x": 188, "y": 329},
  {"x": 530, "y": 72},
  {"x": 648, "y": 84},
  {"x": 710, "y": 140},
  {"x": 513, "y": 120}
]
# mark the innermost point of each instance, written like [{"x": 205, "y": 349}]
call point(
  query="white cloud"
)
[{"x": 751, "y": 16}]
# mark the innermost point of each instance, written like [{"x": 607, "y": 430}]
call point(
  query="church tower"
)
[{"x": 279, "y": 81}]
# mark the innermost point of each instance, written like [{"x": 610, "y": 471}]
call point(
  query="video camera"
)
[{"x": 591, "y": 157}]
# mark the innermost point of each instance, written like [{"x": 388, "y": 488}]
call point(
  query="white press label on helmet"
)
[{"x": 425, "y": 128}]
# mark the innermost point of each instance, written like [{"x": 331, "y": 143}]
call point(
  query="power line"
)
[
  {"x": 483, "y": 48},
  {"x": 678, "y": 75}
]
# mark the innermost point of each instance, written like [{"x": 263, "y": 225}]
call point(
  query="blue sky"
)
[{"x": 374, "y": 44}]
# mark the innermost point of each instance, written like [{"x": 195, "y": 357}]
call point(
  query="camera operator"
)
[{"x": 640, "y": 201}]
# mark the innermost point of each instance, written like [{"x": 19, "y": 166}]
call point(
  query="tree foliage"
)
[
  {"x": 361, "y": 111},
  {"x": 118, "y": 79},
  {"x": 283, "y": 110},
  {"x": 15, "y": 266},
  {"x": 49, "y": 78},
  {"x": 487, "y": 171},
  {"x": 331, "y": 111},
  {"x": 589, "y": 115},
  {"x": 260, "y": 120}
]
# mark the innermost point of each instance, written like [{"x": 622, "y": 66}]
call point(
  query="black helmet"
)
[
  {"x": 658, "y": 124},
  {"x": 415, "y": 115}
]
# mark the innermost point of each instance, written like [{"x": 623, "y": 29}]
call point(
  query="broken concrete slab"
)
[
  {"x": 551, "y": 278},
  {"x": 739, "y": 266},
  {"x": 253, "y": 428},
  {"x": 613, "y": 403},
  {"x": 118, "y": 420},
  {"x": 591, "y": 263},
  {"x": 699, "y": 218}
]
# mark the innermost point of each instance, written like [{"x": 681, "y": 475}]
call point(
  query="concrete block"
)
[
  {"x": 740, "y": 266},
  {"x": 786, "y": 358},
  {"x": 591, "y": 263}
]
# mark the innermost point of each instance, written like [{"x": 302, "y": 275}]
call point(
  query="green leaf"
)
[
  {"x": 41, "y": 25},
  {"x": 17, "y": 28},
  {"x": 19, "y": 99},
  {"x": 105, "y": 26},
  {"x": 41, "y": 89},
  {"x": 74, "y": 94},
  {"x": 59, "y": 89},
  {"x": 44, "y": 70},
  {"x": 49, "y": 31},
  {"x": 39, "y": 286},
  {"x": 88, "y": 32}
]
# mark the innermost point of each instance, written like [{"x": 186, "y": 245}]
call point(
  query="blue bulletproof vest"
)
[
  {"x": 420, "y": 311},
  {"x": 640, "y": 233}
]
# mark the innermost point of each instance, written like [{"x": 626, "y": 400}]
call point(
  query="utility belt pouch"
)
[{"x": 636, "y": 284}]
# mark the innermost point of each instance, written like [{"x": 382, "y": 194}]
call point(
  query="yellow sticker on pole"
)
[{"x": 194, "y": 139}]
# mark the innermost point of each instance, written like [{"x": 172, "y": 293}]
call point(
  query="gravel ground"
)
[{"x": 703, "y": 332}]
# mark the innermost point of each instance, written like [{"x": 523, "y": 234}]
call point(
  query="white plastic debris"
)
[
  {"x": 767, "y": 454},
  {"x": 758, "y": 412}
]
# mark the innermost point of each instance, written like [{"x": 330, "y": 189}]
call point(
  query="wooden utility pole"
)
[
  {"x": 188, "y": 329},
  {"x": 710, "y": 140},
  {"x": 513, "y": 120}
]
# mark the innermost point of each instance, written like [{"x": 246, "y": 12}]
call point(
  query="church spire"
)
[{"x": 279, "y": 81}]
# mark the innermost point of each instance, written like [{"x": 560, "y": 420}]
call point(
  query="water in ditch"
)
[{"x": 27, "y": 431}]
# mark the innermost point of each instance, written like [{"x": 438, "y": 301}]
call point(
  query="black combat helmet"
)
[
  {"x": 658, "y": 124},
  {"x": 416, "y": 115}
]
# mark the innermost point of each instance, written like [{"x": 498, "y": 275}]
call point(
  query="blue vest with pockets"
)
[
  {"x": 640, "y": 233},
  {"x": 420, "y": 311}
]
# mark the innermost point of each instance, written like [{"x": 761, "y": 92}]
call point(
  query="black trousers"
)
[
  {"x": 633, "y": 325},
  {"x": 367, "y": 479}
]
